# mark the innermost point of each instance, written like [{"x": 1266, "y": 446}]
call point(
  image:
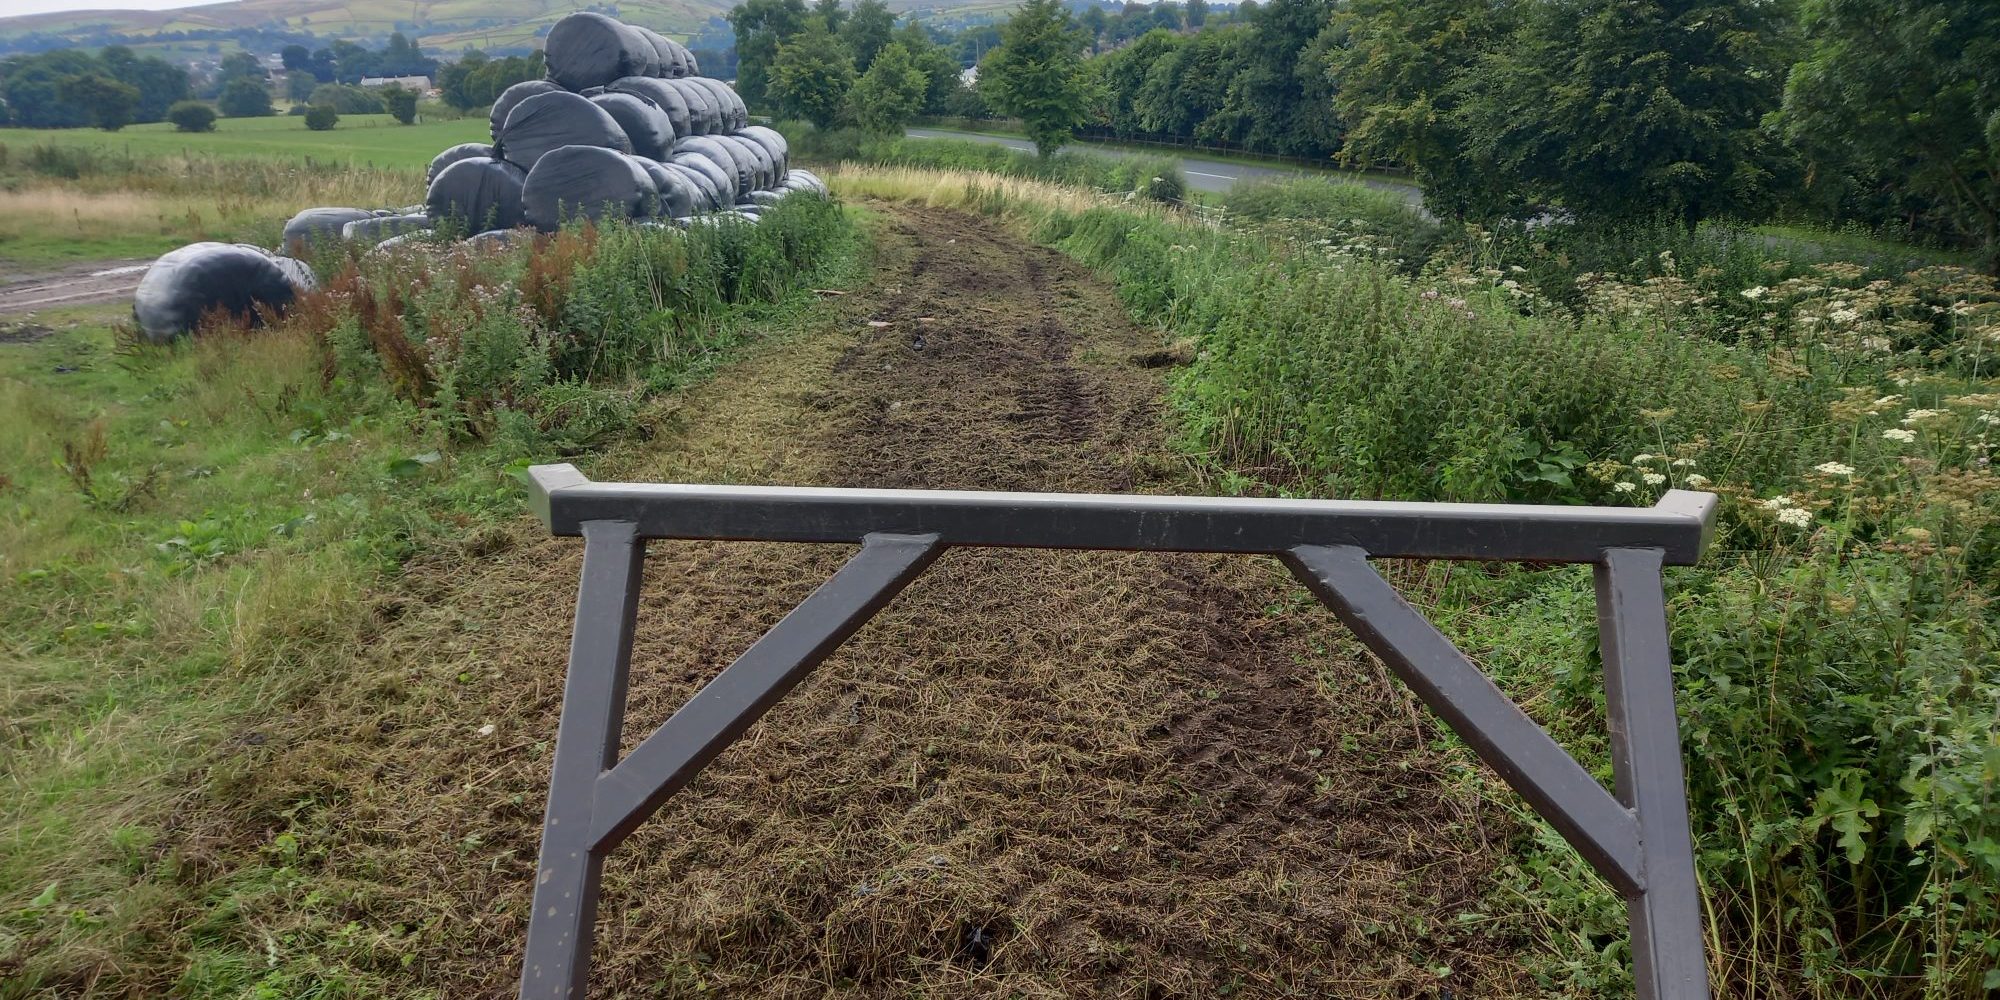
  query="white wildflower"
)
[
  {"x": 1682, "y": 463},
  {"x": 1778, "y": 503},
  {"x": 1624, "y": 487},
  {"x": 1642, "y": 459},
  {"x": 486, "y": 730},
  {"x": 1899, "y": 434},
  {"x": 1698, "y": 481},
  {"x": 1753, "y": 294},
  {"x": 1843, "y": 315},
  {"x": 1797, "y": 517},
  {"x": 1990, "y": 419},
  {"x": 1653, "y": 478},
  {"x": 1914, "y": 417},
  {"x": 1835, "y": 468}
]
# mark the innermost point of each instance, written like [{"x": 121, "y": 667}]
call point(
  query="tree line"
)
[{"x": 1884, "y": 113}]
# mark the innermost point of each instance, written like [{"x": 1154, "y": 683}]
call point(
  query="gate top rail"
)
[{"x": 1679, "y": 525}]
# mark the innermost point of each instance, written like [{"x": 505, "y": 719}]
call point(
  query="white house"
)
[{"x": 420, "y": 84}]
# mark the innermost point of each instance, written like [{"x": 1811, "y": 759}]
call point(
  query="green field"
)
[{"x": 359, "y": 140}]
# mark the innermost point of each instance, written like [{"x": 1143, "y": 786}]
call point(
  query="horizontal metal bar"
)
[{"x": 1678, "y": 525}]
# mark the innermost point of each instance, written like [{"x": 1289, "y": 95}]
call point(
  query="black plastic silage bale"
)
[
  {"x": 677, "y": 192},
  {"x": 731, "y": 112},
  {"x": 588, "y": 49},
  {"x": 586, "y": 182},
  {"x": 703, "y": 116},
  {"x": 374, "y": 231},
  {"x": 509, "y": 99},
  {"x": 646, "y": 124},
  {"x": 550, "y": 121},
  {"x": 201, "y": 278},
  {"x": 707, "y": 196},
  {"x": 773, "y": 142},
  {"x": 317, "y": 226},
  {"x": 662, "y": 93},
  {"x": 479, "y": 193},
  {"x": 462, "y": 151}
]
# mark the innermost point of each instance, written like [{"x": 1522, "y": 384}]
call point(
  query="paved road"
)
[{"x": 1203, "y": 174}]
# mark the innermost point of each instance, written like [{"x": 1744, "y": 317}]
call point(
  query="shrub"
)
[
  {"x": 192, "y": 116},
  {"x": 244, "y": 98},
  {"x": 1341, "y": 209},
  {"x": 401, "y": 103},
  {"x": 321, "y": 118}
]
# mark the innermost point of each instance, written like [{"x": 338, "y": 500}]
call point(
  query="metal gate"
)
[{"x": 1637, "y": 839}]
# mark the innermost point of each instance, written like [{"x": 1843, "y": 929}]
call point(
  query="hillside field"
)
[
  {"x": 359, "y": 140},
  {"x": 440, "y": 23}
]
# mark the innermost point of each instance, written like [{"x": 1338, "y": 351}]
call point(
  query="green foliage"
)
[
  {"x": 321, "y": 117},
  {"x": 761, "y": 27},
  {"x": 348, "y": 100},
  {"x": 1835, "y": 653},
  {"x": 401, "y": 104},
  {"x": 865, "y": 30},
  {"x": 1037, "y": 74},
  {"x": 109, "y": 103},
  {"x": 475, "y": 80},
  {"x": 1341, "y": 211},
  {"x": 32, "y": 87},
  {"x": 1898, "y": 116},
  {"x": 192, "y": 116},
  {"x": 244, "y": 98},
  {"x": 891, "y": 92},
  {"x": 811, "y": 76},
  {"x": 1158, "y": 178}
]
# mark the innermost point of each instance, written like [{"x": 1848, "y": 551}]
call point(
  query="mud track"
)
[
  {"x": 1036, "y": 775},
  {"x": 74, "y": 285}
]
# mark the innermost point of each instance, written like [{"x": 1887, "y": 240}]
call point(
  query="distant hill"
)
[{"x": 440, "y": 24}]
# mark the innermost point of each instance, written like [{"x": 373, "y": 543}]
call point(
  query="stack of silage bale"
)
[{"x": 623, "y": 127}]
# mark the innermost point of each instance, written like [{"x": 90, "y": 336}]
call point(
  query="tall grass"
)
[
  {"x": 1835, "y": 652},
  {"x": 1156, "y": 178}
]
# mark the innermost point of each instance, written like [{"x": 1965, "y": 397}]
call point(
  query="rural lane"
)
[
  {"x": 1203, "y": 174},
  {"x": 74, "y": 285}
]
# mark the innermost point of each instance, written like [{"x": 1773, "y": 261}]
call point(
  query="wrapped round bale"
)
[
  {"x": 721, "y": 179},
  {"x": 316, "y": 226},
  {"x": 646, "y": 125},
  {"x": 662, "y": 93},
  {"x": 587, "y": 49},
  {"x": 773, "y": 142},
  {"x": 492, "y": 239},
  {"x": 687, "y": 58},
  {"x": 480, "y": 193},
  {"x": 703, "y": 116},
  {"x": 805, "y": 180},
  {"x": 735, "y": 164},
  {"x": 768, "y": 197},
  {"x": 511, "y": 98},
  {"x": 677, "y": 193},
  {"x": 202, "y": 277},
  {"x": 588, "y": 182},
  {"x": 731, "y": 112},
  {"x": 707, "y": 197},
  {"x": 412, "y": 240},
  {"x": 550, "y": 121},
  {"x": 374, "y": 231},
  {"x": 763, "y": 169},
  {"x": 667, "y": 61},
  {"x": 462, "y": 151}
]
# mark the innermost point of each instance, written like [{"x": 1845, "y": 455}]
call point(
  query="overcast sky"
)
[{"x": 9, "y": 8}]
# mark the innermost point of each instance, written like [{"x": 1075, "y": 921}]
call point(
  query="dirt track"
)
[
  {"x": 73, "y": 285},
  {"x": 1036, "y": 775}
]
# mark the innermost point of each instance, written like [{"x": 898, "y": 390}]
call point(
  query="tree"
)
[
  {"x": 244, "y": 98},
  {"x": 1037, "y": 74},
  {"x": 454, "y": 80},
  {"x": 348, "y": 100},
  {"x": 1633, "y": 108},
  {"x": 1095, "y": 22},
  {"x": 299, "y": 87},
  {"x": 762, "y": 26},
  {"x": 891, "y": 92},
  {"x": 830, "y": 12},
  {"x": 192, "y": 116},
  {"x": 109, "y": 103},
  {"x": 812, "y": 75},
  {"x": 295, "y": 58},
  {"x": 1901, "y": 96},
  {"x": 941, "y": 71},
  {"x": 321, "y": 118},
  {"x": 867, "y": 28},
  {"x": 401, "y": 102},
  {"x": 239, "y": 65},
  {"x": 1197, "y": 13}
]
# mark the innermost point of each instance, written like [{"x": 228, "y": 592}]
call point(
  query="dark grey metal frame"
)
[{"x": 1637, "y": 838}]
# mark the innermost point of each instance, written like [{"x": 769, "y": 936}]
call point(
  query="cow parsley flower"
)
[
  {"x": 1797, "y": 517},
  {"x": 1835, "y": 468},
  {"x": 1753, "y": 294},
  {"x": 1778, "y": 503},
  {"x": 1624, "y": 487},
  {"x": 1653, "y": 478},
  {"x": 1914, "y": 417},
  {"x": 1899, "y": 434},
  {"x": 1698, "y": 481}
]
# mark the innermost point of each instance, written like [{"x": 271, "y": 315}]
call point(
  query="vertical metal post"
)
[
  {"x": 1668, "y": 958},
  {"x": 562, "y": 924}
]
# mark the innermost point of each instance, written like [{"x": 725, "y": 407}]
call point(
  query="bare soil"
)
[
  {"x": 73, "y": 285},
  {"x": 1035, "y": 775}
]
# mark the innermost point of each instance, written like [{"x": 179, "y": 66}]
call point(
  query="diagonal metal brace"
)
[
  {"x": 740, "y": 695},
  {"x": 1602, "y": 830}
]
